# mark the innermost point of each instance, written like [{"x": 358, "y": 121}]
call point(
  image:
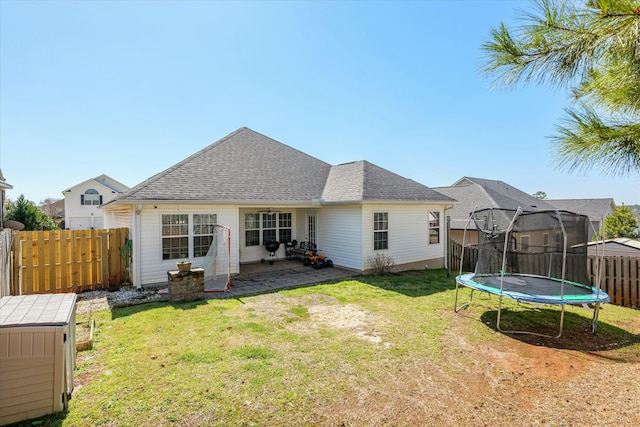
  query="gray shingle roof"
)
[
  {"x": 595, "y": 209},
  {"x": 364, "y": 181},
  {"x": 478, "y": 193},
  {"x": 248, "y": 167}
]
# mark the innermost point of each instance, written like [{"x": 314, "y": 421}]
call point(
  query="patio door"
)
[{"x": 310, "y": 232}]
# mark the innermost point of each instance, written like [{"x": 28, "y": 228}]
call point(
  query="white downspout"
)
[
  {"x": 446, "y": 237},
  {"x": 137, "y": 234}
]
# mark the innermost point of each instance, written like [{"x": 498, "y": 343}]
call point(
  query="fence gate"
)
[{"x": 59, "y": 261}]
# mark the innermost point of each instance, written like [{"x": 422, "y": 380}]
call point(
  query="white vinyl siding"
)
[
  {"x": 340, "y": 235},
  {"x": 408, "y": 235},
  {"x": 153, "y": 267}
]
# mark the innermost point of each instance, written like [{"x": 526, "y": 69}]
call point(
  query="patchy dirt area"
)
[{"x": 509, "y": 381}]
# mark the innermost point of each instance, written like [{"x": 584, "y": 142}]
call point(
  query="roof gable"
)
[
  {"x": 248, "y": 167},
  {"x": 363, "y": 181},
  {"x": 108, "y": 183},
  {"x": 111, "y": 183},
  {"x": 243, "y": 166}
]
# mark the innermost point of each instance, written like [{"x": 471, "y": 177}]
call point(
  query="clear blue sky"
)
[{"x": 129, "y": 88}]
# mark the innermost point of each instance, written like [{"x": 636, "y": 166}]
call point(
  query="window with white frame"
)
[
  {"x": 269, "y": 228},
  {"x": 90, "y": 197},
  {"x": 262, "y": 227},
  {"x": 187, "y": 235},
  {"x": 252, "y": 229},
  {"x": 175, "y": 236},
  {"x": 380, "y": 230},
  {"x": 204, "y": 227},
  {"x": 284, "y": 227},
  {"x": 434, "y": 227}
]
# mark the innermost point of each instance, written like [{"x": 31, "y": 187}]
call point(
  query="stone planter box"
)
[
  {"x": 184, "y": 267},
  {"x": 186, "y": 285}
]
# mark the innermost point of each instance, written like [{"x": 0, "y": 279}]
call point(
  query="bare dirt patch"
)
[{"x": 324, "y": 312}]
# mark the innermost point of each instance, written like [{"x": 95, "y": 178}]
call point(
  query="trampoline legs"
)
[
  {"x": 594, "y": 321},
  {"x": 465, "y": 305},
  {"x": 561, "y": 326}
]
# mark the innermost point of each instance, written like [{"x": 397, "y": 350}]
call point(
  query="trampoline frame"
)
[{"x": 596, "y": 299}]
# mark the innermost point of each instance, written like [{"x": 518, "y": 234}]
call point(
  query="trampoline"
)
[{"x": 533, "y": 257}]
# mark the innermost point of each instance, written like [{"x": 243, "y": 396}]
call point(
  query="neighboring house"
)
[
  {"x": 262, "y": 189},
  {"x": 476, "y": 194},
  {"x": 3, "y": 186},
  {"x": 620, "y": 246},
  {"x": 595, "y": 209},
  {"x": 82, "y": 200}
]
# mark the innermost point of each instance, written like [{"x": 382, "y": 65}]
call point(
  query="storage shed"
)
[{"x": 37, "y": 355}]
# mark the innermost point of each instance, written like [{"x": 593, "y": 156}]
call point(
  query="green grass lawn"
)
[{"x": 379, "y": 350}]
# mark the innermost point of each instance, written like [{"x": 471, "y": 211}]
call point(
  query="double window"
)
[
  {"x": 179, "y": 240},
  {"x": 262, "y": 227},
  {"x": 380, "y": 231}
]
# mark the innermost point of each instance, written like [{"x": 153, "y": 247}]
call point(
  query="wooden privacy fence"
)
[
  {"x": 60, "y": 261},
  {"x": 620, "y": 276}
]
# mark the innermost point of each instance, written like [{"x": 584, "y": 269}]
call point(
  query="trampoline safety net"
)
[{"x": 535, "y": 244}]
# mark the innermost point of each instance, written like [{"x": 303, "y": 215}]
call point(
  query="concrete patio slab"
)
[{"x": 261, "y": 278}]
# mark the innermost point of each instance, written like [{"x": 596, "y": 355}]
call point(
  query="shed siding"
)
[
  {"x": 30, "y": 373},
  {"x": 408, "y": 233},
  {"x": 340, "y": 235},
  {"x": 153, "y": 267}
]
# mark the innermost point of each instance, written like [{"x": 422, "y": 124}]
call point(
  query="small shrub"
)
[{"x": 382, "y": 263}]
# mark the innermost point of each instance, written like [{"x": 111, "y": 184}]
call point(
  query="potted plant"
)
[{"x": 184, "y": 266}]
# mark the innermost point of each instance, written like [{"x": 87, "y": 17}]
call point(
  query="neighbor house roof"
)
[
  {"x": 105, "y": 180},
  {"x": 248, "y": 167},
  {"x": 595, "y": 209},
  {"x": 4, "y": 185},
  {"x": 477, "y": 193},
  {"x": 631, "y": 243}
]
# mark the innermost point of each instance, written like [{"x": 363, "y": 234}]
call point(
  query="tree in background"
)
[
  {"x": 592, "y": 47},
  {"x": 26, "y": 212},
  {"x": 621, "y": 223},
  {"x": 540, "y": 195},
  {"x": 54, "y": 208}
]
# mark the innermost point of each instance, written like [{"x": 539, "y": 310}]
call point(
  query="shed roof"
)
[
  {"x": 36, "y": 310},
  {"x": 631, "y": 243}
]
